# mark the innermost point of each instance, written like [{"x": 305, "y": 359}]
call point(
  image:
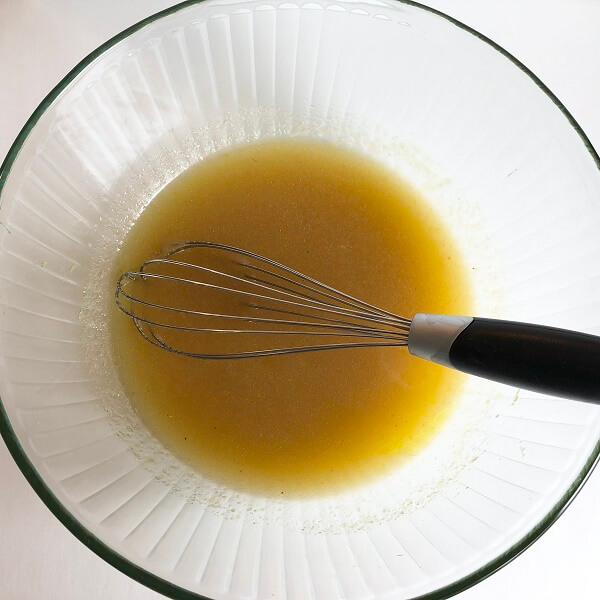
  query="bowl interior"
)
[{"x": 495, "y": 155}]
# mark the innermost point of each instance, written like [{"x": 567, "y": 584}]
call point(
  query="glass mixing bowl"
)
[{"x": 493, "y": 151}]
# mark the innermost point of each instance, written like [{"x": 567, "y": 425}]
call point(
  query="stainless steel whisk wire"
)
[{"x": 293, "y": 293}]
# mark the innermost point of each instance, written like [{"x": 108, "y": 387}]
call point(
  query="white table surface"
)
[{"x": 41, "y": 41}]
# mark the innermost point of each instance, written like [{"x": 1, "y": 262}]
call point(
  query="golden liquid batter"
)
[{"x": 313, "y": 422}]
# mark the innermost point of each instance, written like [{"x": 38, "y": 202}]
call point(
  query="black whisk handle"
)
[{"x": 543, "y": 359}]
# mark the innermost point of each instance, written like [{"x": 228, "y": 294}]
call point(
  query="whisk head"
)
[{"x": 207, "y": 300}]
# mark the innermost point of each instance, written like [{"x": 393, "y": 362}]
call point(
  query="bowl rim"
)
[{"x": 148, "y": 578}]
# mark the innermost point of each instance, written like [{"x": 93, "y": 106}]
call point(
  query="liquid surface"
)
[{"x": 304, "y": 423}]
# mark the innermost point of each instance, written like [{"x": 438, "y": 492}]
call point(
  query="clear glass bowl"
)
[{"x": 492, "y": 149}]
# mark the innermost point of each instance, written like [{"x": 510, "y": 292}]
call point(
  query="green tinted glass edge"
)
[{"x": 149, "y": 579}]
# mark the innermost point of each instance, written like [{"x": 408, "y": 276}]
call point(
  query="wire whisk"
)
[{"x": 212, "y": 301}]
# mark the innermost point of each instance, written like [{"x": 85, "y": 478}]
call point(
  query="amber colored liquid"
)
[{"x": 305, "y": 423}]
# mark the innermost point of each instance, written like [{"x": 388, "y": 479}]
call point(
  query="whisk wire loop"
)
[{"x": 256, "y": 286}]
